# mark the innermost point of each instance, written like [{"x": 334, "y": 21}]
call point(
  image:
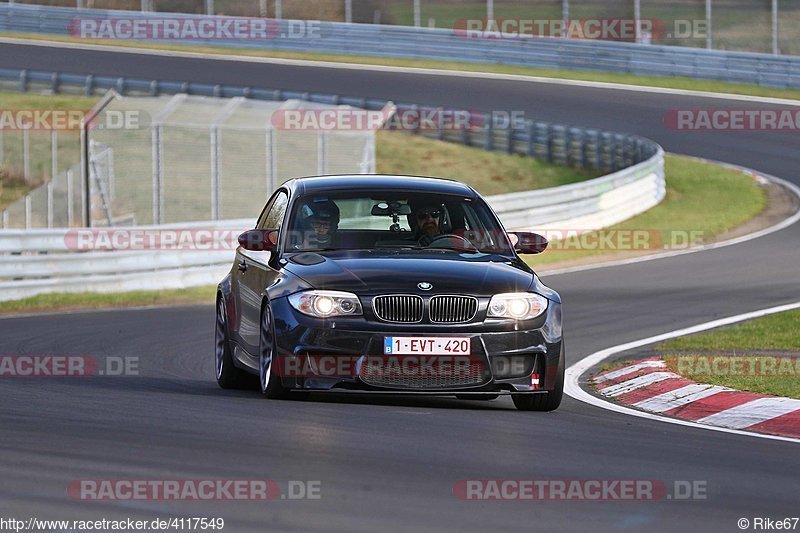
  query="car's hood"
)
[{"x": 369, "y": 272}]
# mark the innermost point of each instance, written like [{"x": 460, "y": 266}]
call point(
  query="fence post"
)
[
  {"x": 417, "y": 16},
  {"x": 775, "y": 49},
  {"x": 565, "y": 14},
  {"x": 210, "y": 7},
  {"x": 2, "y": 152},
  {"x": 262, "y": 11},
  {"x": 709, "y": 38},
  {"x": 27, "y": 211},
  {"x": 348, "y": 11},
  {"x": 278, "y": 10},
  {"x": 26, "y": 155},
  {"x": 53, "y": 154},
  {"x": 157, "y": 151},
  {"x": 50, "y": 204},
  {"x": 70, "y": 192},
  {"x": 489, "y": 9},
  {"x": 214, "y": 141},
  {"x": 322, "y": 152}
]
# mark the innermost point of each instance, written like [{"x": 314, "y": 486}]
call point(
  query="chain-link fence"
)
[
  {"x": 742, "y": 25},
  {"x": 189, "y": 158}
]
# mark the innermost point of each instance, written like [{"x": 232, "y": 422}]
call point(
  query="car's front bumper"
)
[{"x": 516, "y": 357}]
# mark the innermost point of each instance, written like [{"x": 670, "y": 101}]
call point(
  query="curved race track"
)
[{"x": 391, "y": 463}]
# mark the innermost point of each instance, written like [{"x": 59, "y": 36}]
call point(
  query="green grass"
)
[
  {"x": 63, "y": 301},
  {"x": 488, "y": 172},
  {"x": 675, "y": 82},
  {"x": 775, "y": 332},
  {"x": 701, "y": 197},
  {"x": 765, "y": 374}
]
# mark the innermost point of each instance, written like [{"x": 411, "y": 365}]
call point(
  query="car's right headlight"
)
[
  {"x": 326, "y": 304},
  {"x": 517, "y": 305}
]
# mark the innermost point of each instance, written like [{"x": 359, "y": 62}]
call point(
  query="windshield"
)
[{"x": 368, "y": 220}]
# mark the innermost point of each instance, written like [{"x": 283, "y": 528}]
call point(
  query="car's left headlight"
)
[
  {"x": 517, "y": 305},
  {"x": 326, "y": 304}
]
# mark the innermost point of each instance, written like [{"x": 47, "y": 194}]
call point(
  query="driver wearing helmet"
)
[
  {"x": 323, "y": 223},
  {"x": 425, "y": 220}
]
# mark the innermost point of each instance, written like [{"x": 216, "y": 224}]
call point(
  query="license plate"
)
[{"x": 427, "y": 345}]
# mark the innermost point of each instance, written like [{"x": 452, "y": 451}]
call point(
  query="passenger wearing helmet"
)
[{"x": 322, "y": 224}]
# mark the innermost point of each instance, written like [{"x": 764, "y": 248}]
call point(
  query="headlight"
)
[
  {"x": 517, "y": 305},
  {"x": 325, "y": 304}
]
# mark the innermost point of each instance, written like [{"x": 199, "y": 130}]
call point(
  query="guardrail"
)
[
  {"x": 635, "y": 185},
  {"x": 445, "y": 44}
]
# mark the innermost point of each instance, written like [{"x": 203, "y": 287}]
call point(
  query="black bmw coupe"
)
[{"x": 388, "y": 285}]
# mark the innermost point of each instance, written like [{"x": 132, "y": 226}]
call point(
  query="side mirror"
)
[
  {"x": 259, "y": 240},
  {"x": 529, "y": 242}
]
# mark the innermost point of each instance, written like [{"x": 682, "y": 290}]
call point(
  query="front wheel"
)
[
  {"x": 544, "y": 402},
  {"x": 271, "y": 386}
]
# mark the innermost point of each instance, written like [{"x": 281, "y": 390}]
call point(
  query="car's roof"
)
[{"x": 345, "y": 182}]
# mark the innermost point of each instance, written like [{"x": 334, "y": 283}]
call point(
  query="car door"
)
[{"x": 255, "y": 271}]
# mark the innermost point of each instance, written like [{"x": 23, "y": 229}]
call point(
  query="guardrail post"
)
[
  {"x": 5, "y": 218},
  {"x": 88, "y": 86},
  {"x": 153, "y": 88},
  {"x": 2, "y": 151},
  {"x": 121, "y": 85},
  {"x": 510, "y": 140},
  {"x": 439, "y": 123},
  {"x": 23, "y": 81},
  {"x": 54, "y": 82}
]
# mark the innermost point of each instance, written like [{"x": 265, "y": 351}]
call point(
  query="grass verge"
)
[
  {"x": 488, "y": 172},
  {"x": 671, "y": 82},
  {"x": 738, "y": 359},
  {"x": 66, "y": 301},
  {"x": 703, "y": 200}
]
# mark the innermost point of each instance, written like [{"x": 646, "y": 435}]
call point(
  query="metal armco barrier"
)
[{"x": 446, "y": 44}]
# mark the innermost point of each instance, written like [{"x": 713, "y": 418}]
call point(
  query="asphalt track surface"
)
[{"x": 390, "y": 464}]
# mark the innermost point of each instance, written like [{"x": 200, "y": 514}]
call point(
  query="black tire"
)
[
  {"x": 228, "y": 375},
  {"x": 269, "y": 381},
  {"x": 544, "y": 402},
  {"x": 482, "y": 397}
]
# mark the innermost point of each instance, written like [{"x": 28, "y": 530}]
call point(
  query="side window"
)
[{"x": 274, "y": 216}]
